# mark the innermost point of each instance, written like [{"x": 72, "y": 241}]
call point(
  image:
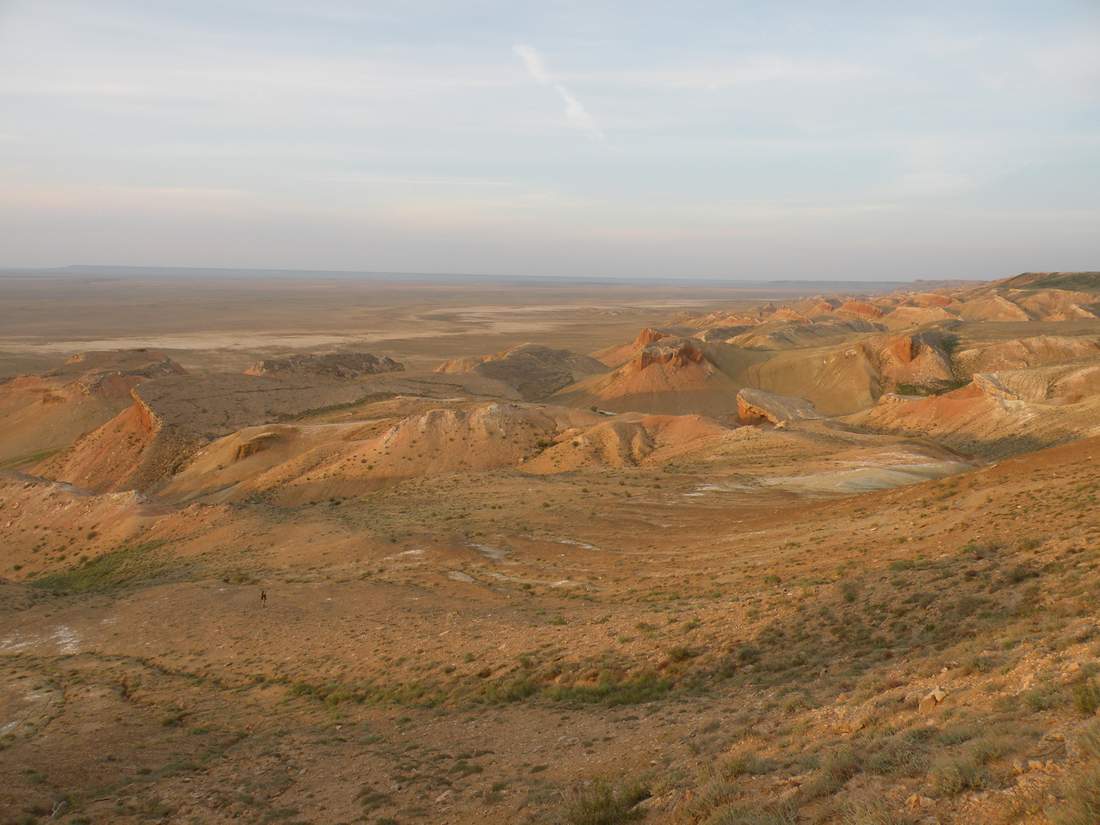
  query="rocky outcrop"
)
[
  {"x": 678, "y": 353},
  {"x": 256, "y": 444},
  {"x": 649, "y": 336},
  {"x": 618, "y": 355},
  {"x": 915, "y": 360},
  {"x": 757, "y": 406}
]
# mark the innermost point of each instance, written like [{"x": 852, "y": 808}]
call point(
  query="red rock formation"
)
[
  {"x": 681, "y": 354},
  {"x": 861, "y": 308}
]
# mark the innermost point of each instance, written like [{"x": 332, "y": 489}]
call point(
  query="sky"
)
[{"x": 808, "y": 140}]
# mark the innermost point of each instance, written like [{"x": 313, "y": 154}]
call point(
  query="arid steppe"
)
[{"x": 553, "y": 551}]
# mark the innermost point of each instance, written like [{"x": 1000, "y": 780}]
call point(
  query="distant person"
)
[{"x": 263, "y": 598}]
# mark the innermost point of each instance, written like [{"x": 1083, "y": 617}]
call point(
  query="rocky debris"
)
[
  {"x": 917, "y": 802},
  {"x": 755, "y": 406},
  {"x": 932, "y": 700},
  {"x": 335, "y": 364}
]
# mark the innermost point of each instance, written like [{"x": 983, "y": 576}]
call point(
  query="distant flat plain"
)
[{"x": 230, "y": 316}]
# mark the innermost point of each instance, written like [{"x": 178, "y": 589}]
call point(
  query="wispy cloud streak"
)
[{"x": 575, "y": 113}]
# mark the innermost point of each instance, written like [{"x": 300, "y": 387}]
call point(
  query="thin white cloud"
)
[
  {"x": 575, "y": 113},
  {"x": 533, "y": 61}
]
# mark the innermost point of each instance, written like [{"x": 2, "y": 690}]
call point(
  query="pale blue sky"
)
[{"x": 690, "y": 139}]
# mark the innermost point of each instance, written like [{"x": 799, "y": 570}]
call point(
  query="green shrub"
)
[
  {"x": 602, "y": 803},
  {"x": 129, "y": 565},
  {"x": 903, "y": 754},
  {"x": 612, "y": 690},
  {"x": 745, "y": 764},
  {"x": 680, "y": 653},
  {"x": 770, "y": 815},
  {"x": 836, "y": 769},
  {"x": 1086, "y": 697},
  {"x": 873, "y": 811},
  {"x": 1044, "y": 697},
  {"x": 952, "y": 774},
  {"x": 1089, "y": 740}
]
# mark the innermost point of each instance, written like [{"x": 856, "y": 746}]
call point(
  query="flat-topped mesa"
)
[
  {"x": 678, "y": 352},
  {"x": 533, "y": 370},
  {"x": 335, "y": 364},
  {"x": 114, "y": 369},
  {"x": 758, "y": 406},
  {"x": 125, "y": 361}
]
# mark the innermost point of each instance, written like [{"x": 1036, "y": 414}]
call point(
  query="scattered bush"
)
[
  {"x": 873, "y": 811},
  {"x": 954, "y": 773},
  {"x": 1086, "y": 697},
  {"x": 128, "y": 565},
  {"x": 602, "y": 803}
]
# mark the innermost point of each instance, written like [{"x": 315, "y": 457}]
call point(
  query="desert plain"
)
[{"x": 548, "y": 550}]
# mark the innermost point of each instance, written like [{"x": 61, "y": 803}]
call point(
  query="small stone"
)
[
  {"x": 931, "y": 700},
  {"x": 916, "y": 801}
]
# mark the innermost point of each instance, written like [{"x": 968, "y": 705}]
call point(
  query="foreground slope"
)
[{"x": 911, "y": 662}]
